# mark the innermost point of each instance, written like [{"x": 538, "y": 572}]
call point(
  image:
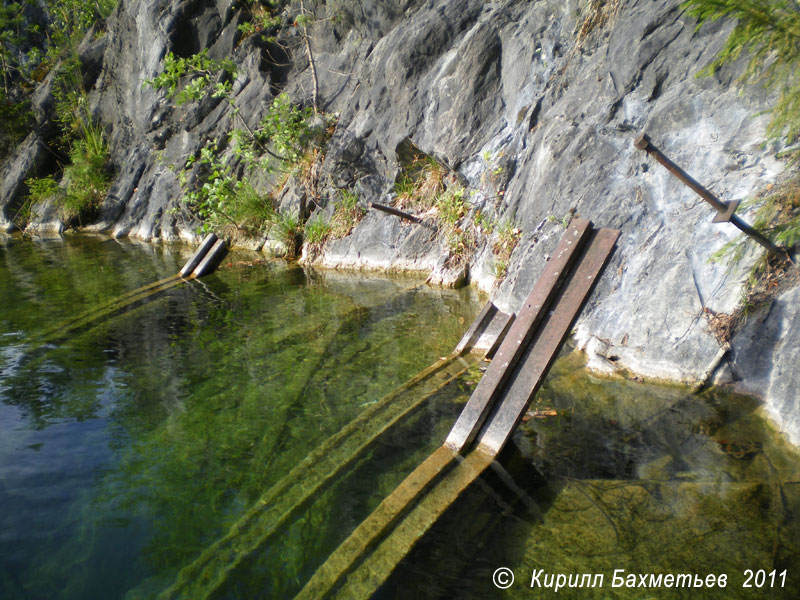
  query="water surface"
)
[{"x": 128, "y": 447}]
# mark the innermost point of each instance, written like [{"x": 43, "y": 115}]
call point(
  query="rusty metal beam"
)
[
  {"x": 724, "y": 210},
  {"x": 399, "y": 213}
]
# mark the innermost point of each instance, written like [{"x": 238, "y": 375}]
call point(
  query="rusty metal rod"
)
[
  {"x": 398, "y": 213},
  {"x": 643, "y": 143}
]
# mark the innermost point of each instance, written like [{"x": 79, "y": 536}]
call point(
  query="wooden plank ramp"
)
[{"x": 360, "y": 565}]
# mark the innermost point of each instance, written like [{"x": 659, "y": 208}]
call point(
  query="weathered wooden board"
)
[
  {"x": 545, "y": 347},
  {"x": 513, "y": 346}
]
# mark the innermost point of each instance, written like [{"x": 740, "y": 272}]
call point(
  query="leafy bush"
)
[
  {"x": 39, "y": 190},
  {"x": 287, "y": 128},
  {"x": 450, "y": 206},
  {"x": 220, "y": 192},
  {"x": 42, "y": 188},
  {"x": 194, "y": 74},
  {"x": 220, "y": 198},
  {"x": 264, "y": 19},
  {"x": 29, "y": 48},
  {"x": 769, "y": 32}
]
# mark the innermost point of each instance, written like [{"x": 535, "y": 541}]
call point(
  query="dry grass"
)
[
  {"x": 308, "y": 169},
  {"x": 771, "y": 276},
  {"x": 347, "y": 215},
  {"x": 596, "y": 13},
  {"x": 420, "y": 184}
]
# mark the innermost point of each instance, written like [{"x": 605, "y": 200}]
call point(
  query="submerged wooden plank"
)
[
  {"x": 481, "y": 321},
  {"x": 209, "y": 572},
  {"x": 106, "y": 310},
  {"x": 530, "y": 373},
  {"x": 376, "y": 568},
  {"x": 515, "y": 342},
  {"x": 487, "y": 331},
  {"x": 374, "y": 527},
  {"x": 101, "y": 308}
]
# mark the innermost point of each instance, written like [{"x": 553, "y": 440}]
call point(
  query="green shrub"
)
[
  {"x": 85, "y": 180},
  {"x": 42, "y": 188},
  {"x": 87, "y": 176},
  {"x": 450, "y": 206},
  {"x": 193, "y": 75},
  {"x": 39, "y": 190},
  {"x": 286, "y": 127},
  {"x": 264, "y": 19}
]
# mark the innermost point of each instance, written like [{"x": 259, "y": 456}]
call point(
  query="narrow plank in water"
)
[
  {"x": 516, "y": 340},
  {"x": 374, "y": 527},
  {"x": 530, "y": 373},
  {"x": 207, "y": 574},
  {"x": 377, "y": 567},
  {"x": 106, "y": 310},
  {"x": 479, "y": 324}
]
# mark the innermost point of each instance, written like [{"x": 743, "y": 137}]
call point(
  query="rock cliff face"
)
[{"x": 535, "y": 106}]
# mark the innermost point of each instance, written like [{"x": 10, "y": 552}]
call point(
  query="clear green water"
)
[{"x": 128, "y": 448}]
